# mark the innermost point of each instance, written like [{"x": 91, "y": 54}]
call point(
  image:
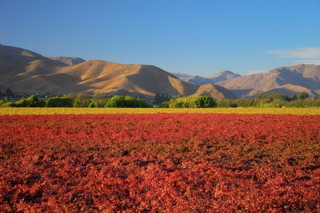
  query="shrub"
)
[
  {"x": 116, "y": 101},
  {"x": 193, "y": 102},
  {"x": 59, "y": 102},
  {"x": 101, "y": 102},
  {"x": 233, "y": 105},
  {"x": 82, "y": 100},
  {"x": 127, "y": 101},
  {"x": 32, "y": 101},
  {"x": 8, "y": 104},
  {"x": 161, "y": 98},
  {"x": 21, "y": 103},
  {"x": 205, "y": 102}
]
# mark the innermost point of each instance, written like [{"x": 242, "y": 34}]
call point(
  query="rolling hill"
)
[{"x": 24, "y": 71}]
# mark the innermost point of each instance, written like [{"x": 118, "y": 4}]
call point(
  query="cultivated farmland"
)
[{"x": 160, "y": 163}]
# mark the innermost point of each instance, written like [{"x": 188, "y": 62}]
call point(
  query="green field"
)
[{"x": 46, "y": 111}]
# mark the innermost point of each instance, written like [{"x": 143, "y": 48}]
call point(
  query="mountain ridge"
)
[
  {"x": 286, "y": 79},
  {"x": 25, "y": 71},
  {"x": 200, "y": 80},
  {"x": 67, "y": 61},
  {"x": 302, "y": 75}
]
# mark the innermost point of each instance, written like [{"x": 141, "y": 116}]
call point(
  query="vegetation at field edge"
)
[{"x": 44, "y": 111}]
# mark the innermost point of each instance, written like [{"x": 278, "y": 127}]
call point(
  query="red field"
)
[{"x": 160, "y": 163}]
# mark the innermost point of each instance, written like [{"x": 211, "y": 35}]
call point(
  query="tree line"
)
[
  {"x": 165, "y": 101},
  {"x": 84, "y": 100},
  {"x": 273, "y": 100},
  {"x": 81, "y": 100}
]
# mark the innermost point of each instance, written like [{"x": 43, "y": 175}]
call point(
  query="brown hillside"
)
[
  {"x": 26, "y": 72},
  {"x": 14, "y": 60},
  {"x": 106, "y": 77},
  {"x": 215, "y": 91},
  {"x": 302, "y": 76},
  {"x": 290, "y": 89}
]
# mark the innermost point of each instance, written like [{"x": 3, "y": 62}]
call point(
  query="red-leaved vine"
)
[{"x": 160, "y": 163}]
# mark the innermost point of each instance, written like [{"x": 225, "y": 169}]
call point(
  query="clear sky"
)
[{"x": 191, "y": 36}]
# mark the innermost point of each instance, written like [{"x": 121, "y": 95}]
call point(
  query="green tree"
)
[
  {"x": 299, "y": 96},
  {"x": 32, "y": 101},
  {"x": 116, "y": 101},
  {"x": 303, "y": 95},
  {"x": 205, "y": 102},
  {"x": 193, "y": 102},
  {"x": 21, "y": 103},
  {"x": 99, "y": 96},
  {"x": 59, "y": 102},
  {"x": 8, "y": 104},
  {"x": 160, "y": 98},
  {"x": 127, "y": 101},
  {"x": 82, "y": 100}
]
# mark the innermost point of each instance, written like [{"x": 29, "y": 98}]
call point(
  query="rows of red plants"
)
[{"x": 160, "y": 163}]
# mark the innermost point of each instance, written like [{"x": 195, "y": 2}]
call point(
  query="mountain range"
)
[
  {"x": 286, "y": 80},
  {"x": 24, "y": 71},
  {"x": 199, "y": 80}
]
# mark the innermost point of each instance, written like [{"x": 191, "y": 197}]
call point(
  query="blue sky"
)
[{"x": 190, "y": 36}]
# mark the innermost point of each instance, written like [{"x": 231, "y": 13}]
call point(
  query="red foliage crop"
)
[{"x": 160, "y": 163}]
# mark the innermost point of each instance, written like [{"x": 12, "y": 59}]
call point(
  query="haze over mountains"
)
[{"x": 24, "y": 71}]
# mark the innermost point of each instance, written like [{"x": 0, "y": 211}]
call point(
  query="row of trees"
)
[
  {"x": 65, "y": 101},
  {"x": 273, "y": 100},
  {"x": 191, "y": 102},
  {"x": 83, "y": 100}
]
